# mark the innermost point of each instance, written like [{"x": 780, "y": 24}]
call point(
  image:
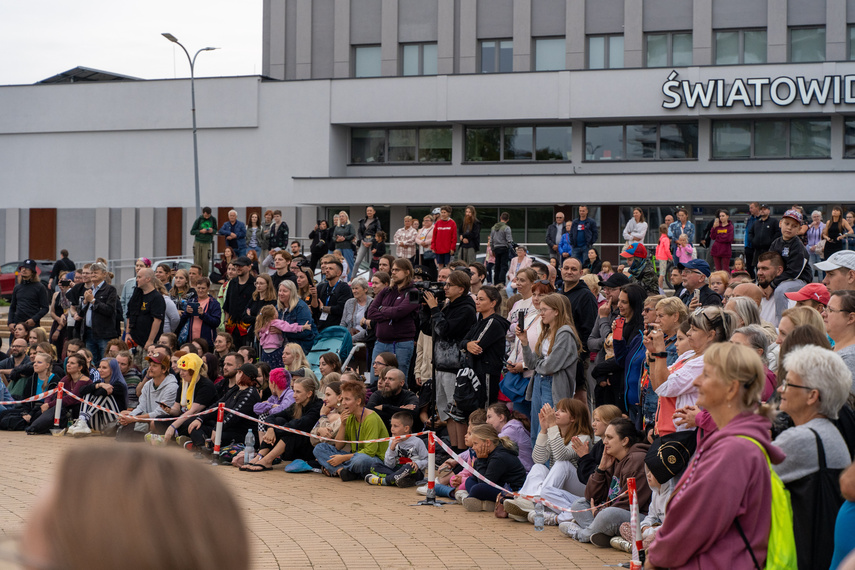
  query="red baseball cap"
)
[
  {"x": 635, "y": 250},
  {"x": 811, "y": 292}
]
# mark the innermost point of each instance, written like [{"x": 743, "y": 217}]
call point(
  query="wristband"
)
[
  {"x": 660, "y": 354},
  {"x": 600, "y": 471}
]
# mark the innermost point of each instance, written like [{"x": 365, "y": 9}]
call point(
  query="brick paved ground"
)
[{"x": 310, "y": 521}]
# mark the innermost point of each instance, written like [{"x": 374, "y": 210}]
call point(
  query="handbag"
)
[
  {"x": 816, "y": 499},
  {"x": 448, "y": 357},
  {"x": 514, "y": 385},
  {"x": 499, "y": 509}
]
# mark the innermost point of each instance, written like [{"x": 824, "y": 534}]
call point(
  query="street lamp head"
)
[
  {"x": 209, "y": 48},
  {"x": 170, "y": 37}
]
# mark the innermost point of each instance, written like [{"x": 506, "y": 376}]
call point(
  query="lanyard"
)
[
  {"x": 359, "y": 429},
  {"x": 330, "y": 293}
]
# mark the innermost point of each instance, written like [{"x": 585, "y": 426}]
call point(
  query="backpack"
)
[{"x": 781, "y": 550}]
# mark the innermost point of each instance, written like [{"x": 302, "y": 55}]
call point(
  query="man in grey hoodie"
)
[{"x": 500, "y": 242}]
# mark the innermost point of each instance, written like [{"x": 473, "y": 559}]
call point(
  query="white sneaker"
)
[
  {"x": 619, "y": 543},
  {"x": 474, "y": 505},
  {"x": 519, "y": 506},
  {"x": 80, "y": 428},
  {"x": 422, "y": 490},
  {"x": 549, "y": 518},
  {"x": 460, "y": 495},
  {"x": 570, "y": 529}
]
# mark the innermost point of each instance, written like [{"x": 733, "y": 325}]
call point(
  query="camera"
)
[
  {"x": 65, "y": 282},
  {"x": 435, "y": 287},
  {"x": 182, "y": 305}
]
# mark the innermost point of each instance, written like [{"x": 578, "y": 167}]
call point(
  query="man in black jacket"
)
[
  {"x": 278, "y": 232},
  {"x": 553, "y": 235},
  {"x": 238, "y": 296},
  {"x": 393, "y": 397},
  {"x": 763, "y": 232},
  {"x": 581, "y": 299},
  {"x": 62, "y": 264},
  {"x": 29, "y": 298},
  {"x": 99, "y": 312},
  {"x": 695, "y": 275},
  {"x": 329, "y": 299}
]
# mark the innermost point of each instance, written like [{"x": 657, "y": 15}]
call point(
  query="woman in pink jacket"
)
[
  {"x": 722, "y": 240},
  {"x": 728, "y": 484}
]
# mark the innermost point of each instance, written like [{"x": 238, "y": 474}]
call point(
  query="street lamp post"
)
[{"x": 192, "y": 62}]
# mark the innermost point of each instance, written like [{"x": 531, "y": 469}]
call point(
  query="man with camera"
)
[{"x": 394, "y": 312}]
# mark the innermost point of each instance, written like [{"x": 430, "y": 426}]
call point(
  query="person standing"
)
[
  {"x": 203, "y": 239},
  {"x": 342, "y": 236},
  {"x": 146, "y": 311},
  {"x": 423, "y": 239},
  {"x": 237, "y": 301},
  {"x": 836, "y": 230},
  {"x": 62, "y": 264},
  {"x": 365, "y": 232},
  {"x": 235, "y": 233},
  {"x": 814, "y": 235},
  {"x": 470, "y": 238},
  {"x": 501, "y": 239},
  {"x": 636, "y": 228},
  {"x": 753, "y": 216},
  {"x": 680, "y": 227},
  {"x": 722, "y": 241},
  {"x": 278, "y": 235},
  {"x": 444, "y": 237},
  {"x": 405, "y": 240},
  {"x": 583, "y": 235},
  {"x": 99, "y": 312},
  {"x": 553, "y": 236},
  {"x": 29, "y": 298},
  {"x": 329, "y": 297},
  {"x": 763, "y": 232}
]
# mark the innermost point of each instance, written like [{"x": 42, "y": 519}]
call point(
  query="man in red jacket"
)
[{"x": 444, "y": 237}]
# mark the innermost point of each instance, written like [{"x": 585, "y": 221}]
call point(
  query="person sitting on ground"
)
[
  {"x": 197, "y": 394},
  {"x": 280, "y": 444},
  {"x": 294, "y": 361},
  {"x": 109, "y": 392},
  {"x": 515, "y": 426},
  {"x": 281, "y": 395},
  {"x": 241, "y": 398},
  {"x": 20, "y": 416},
  {"x": 499, "y": 462},
  {"x": 75, "y": 380},
  {"x": 555, "y": 459},
  {"x": 330, "y": 418},
  {"x": 163, "y": 387},
  {"x": 816, "y": 388},
  {"x": 392, "y": 397},
  {"x": 405, "y": 460},
  {"x": 623, "y": 457},
  {"x": 358, "y": 424}
]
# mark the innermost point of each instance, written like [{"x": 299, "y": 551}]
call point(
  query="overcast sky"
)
[{"x": 40, "y": 38}]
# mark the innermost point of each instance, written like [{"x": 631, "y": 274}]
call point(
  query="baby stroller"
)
[{"x": 332, "y": 339}]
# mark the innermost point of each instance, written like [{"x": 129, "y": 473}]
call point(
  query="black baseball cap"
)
[{"x": 242, "y": 261}]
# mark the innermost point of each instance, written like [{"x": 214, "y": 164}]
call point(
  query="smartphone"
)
[
  {"x": 617, "y": 334},
  {"x": 697, "y": 294},
  {"x": 521, "y": 318},
  {"x": 650, "y": 328}
]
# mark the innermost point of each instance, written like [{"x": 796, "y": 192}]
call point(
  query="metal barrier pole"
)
[
  {"x": 218, "y": 433},
  {"x": 430, "y": 499},
  {"x": 635, "y": 528},
  {"x": 58, "y": 408}
]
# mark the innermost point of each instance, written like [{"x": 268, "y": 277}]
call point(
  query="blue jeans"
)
[
  {"x": 348, "y": 256},
  {"x": 96, "y": 346},
  {"x": 580, "y": 252},
  {"x": 360, "y": 464},
  {"x": 541, "y": 394},
  {"x": 403, "y": 352}
]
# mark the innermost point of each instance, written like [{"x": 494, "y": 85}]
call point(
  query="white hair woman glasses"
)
[{"x": 816, "y": 388}]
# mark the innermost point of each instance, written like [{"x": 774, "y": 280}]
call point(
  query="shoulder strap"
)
[
  {"x": 745, "y": 540},
  {"x": 820, "y": 451}
]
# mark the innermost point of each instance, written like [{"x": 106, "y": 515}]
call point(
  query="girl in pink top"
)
[
  {"x": 269, "y": 329},
  {"x": 684, "y": 250}
]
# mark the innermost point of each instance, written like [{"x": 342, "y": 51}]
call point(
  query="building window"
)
[
  {"x": 849, "y": 138},
  {"x": 642, "y": 141},
  {"x": 549, "y": 54},
  {"x": 669, "y": 49},
  {"x": 366, "y": 61},
  {"x": 497, "y": 56},
  {"x": 793, "y": 138},
  {"x": 400, "y": 145},
  {"x": 605, "y": 52},
  {"x": 807, "y": 45},
  {"x": 418, "y": 59},
  {"x": 740, "y": 47},
  {"x": 518, "y": 144}
]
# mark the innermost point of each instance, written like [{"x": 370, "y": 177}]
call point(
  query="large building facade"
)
[{"x": 518, "y": 105}]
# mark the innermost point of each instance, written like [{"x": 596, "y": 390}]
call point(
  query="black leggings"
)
[
  {"x": 44, "y": 422},
  {"x": 296, "y": 446}
]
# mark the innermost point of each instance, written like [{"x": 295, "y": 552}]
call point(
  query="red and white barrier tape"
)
[
  {"x": 515, "y": 494},
  {"x": 35, "y": 398},
  {"x": 114, "y": 413}
]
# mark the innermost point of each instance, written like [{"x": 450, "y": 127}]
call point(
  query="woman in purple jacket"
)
[
  {"x": 722, "y": 240},
  {"x": 727, "y": 486}
]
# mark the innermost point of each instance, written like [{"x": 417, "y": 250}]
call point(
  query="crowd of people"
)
[{"x": 710, "y": 385}]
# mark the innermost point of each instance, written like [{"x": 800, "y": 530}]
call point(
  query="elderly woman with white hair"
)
[
  {"x": 756, "y": 338},
  {"x": 815, "y": 389},
  {"x": 355, "y": 309}
]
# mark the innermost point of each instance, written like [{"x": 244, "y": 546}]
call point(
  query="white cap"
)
[{"x": 845, "y": 258}]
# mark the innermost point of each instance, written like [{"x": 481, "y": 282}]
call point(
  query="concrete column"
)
[
  {"x": 522, "y": 36},
  {"x": 445, "y": 37},
  {"x": 835, "y": 30},
  {"x": 702, "y": 32},
  {"x": 273, "y": 37},
  {"x": 776, "y": 31},
  {"x": 633, "y": 34},
  {"x": 145, "y": 233},
  {"x": 389, "y": 38},
  {"x": 127, "y": 243},
  {"x": 12, "y": 235},
  {"x": 341, "y": 43},
  {"x": 575, "y": 34},
  {"x": 468, "y": 36},
  {"x": 304, "y": 39},
  {"x": 102, "y": 232},
  {"x": 187, "y": 222}
]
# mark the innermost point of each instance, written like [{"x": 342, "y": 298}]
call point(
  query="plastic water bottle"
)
[
  {"x": 538, "y": 515},
  {"x": 249, "y": 447}
]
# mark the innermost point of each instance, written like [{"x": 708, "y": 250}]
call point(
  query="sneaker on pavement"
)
[
  {"x": 460, "y": 495},
  {"x": 347, "y": 475},
  {"x": 80, "y": 428},
  {"x": 549, "y": 518},
  {"x": 620, "y": 543},
  {"x": 404, "y": 472},
  {"x": 185, "y": 442},
  {"x": 155, "y": 439},
  {"x": 372, "y": 479},
  {"x": 570, "y": 529},
  {"x": 474, "y": 505},
  {"x": 517, "y": 518},
  {"x": 519, "y": 507},
  {"x": 422, "y": 490},
  {"x": 600, "y": 539}
]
